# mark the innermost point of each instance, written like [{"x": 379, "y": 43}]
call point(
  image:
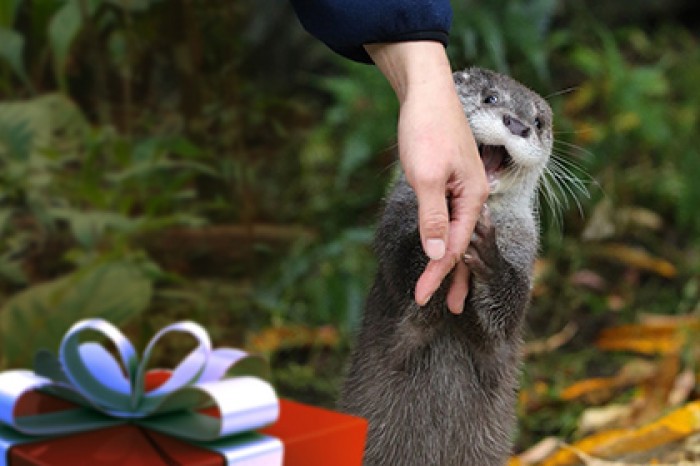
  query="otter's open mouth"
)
[{"x": 495, "y": 160}]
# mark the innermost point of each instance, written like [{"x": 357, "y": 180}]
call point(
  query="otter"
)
[{"x": 438, "y": 388}]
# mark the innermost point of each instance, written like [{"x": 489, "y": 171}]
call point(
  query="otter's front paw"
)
[{"x": 482, "y": 256}]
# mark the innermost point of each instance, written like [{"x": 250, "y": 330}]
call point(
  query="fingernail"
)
[
  {"x": 423, "y": 302},
  {"x": 435, "y": 249}
]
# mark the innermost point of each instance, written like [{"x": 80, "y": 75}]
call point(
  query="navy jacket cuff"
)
[{"x": 346, "y": 25}]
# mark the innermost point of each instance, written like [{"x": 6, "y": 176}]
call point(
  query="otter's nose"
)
[{"x": 516, "y": 126}]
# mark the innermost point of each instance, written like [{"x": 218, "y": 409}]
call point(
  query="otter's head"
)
[{"x": 512, "y": 126}]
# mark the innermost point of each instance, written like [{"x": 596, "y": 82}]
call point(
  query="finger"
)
[
  {"x": 433, "y": 218},
  {"x": 466, "y": 209},
  {"x": 459, "y": 289},
  {"x": 432, "y": 277}
]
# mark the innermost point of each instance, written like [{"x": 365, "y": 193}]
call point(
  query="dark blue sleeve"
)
[{"x": 345, "y": 25}]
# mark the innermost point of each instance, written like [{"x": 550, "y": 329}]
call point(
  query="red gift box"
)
[
  {"x": 311, "y": 436},
  {"x": 318, "y": 437}
]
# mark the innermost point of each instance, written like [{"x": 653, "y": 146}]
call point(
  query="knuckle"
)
[
  {"x": 429, "y": 184},
  {"x": 434, "y": 223},
  {"x": 430, "y": 178}
]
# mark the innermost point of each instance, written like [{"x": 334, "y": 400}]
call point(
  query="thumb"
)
[{"x": 433, "y": 221}]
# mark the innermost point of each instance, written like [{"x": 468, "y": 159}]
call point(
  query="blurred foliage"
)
[
  {"x": 39, "y": 316},
  {"x": 258, "y": 159},
  {"x": 505, "y": 35}
]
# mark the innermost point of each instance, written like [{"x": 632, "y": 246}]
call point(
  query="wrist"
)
[{"x": 413, "y": 67}]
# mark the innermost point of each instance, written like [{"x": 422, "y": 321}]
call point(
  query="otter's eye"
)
[
  {"x": 491, "y": 99},
  {"x": 538, "y": 123}
]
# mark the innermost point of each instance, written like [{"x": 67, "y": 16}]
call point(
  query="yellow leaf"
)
[
  {"x": 598, "y": 390},
  {"x": 657, "y": 345},
  {"x": 273, "y": 339},
  {"x": 656, "y": 337},
  {"x": 670, "y": 428},
  {"x": 588, "y": 387},
  {"x": 636, "y": 258},
  {"x": 610, "y": 444},
  {"x": 566, "y": 456}
]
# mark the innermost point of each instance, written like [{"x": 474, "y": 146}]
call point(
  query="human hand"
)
[{"x": 440, "y": 159}]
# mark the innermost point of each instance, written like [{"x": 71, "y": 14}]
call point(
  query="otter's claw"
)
[{"x": 482, "y": 253}]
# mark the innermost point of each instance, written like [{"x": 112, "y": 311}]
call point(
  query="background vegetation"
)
[{"x": 172, "y": 159}]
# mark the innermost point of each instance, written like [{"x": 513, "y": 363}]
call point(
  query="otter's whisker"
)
[
  {"x": 575, "y": 148},
  {"x": 561, "y": 92}
]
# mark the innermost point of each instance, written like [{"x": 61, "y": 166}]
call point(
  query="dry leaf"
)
[
  {"x": 636, "y": 258},
  {"x": 611, "y": 444},
  {"x": 666, "y": 337},
  {"x": 605, "y": 417},
  {"x": 589, "y": 279},
  {"x": 637, "y": 370},
  {"x": 540, "y": 270},
  {"x": 600, "y": 224},
  {"x": 567, "y": 455},
  {"x": 682, "y": 387},
  {"x": 537, "y": 452},
  {"x": 552, "y": 342},
  {"x": 616, "y": 302},
  {"x": 273, "y": 339},
  {"x": 600, "y": 389},
  {"x": 655, "y": 390},
  {"x": 665, "y": 320},
  {"x": 595, "y": 390},
  {"x": 634, "y": 218},
  {"x": 607, "y": 221}
]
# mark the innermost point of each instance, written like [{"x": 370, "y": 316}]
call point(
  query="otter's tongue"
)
[{"x": 492, "y": 157}]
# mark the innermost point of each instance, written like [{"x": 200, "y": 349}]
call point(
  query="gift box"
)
[
  {"x": 311, "y": 436},
  {"x": 318, "y": 437},
  {"x": 130, "y": 444}
]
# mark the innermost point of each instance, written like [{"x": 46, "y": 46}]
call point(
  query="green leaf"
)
[
  {"x": 5, "y": 215},
  {"x": 132, "y": 5},
  {"x": 12, "y": 271},
  {"x": 16, "y": 138},
  {"x": 11, "y": 48},
  {"x": 27, "y": 127},
  {"x": 8, "y": 11},
  {"x": 494, "y": 40},
  {"x": 63, "y": 29},
  {"x": 39, "y": 316},
  {"x": 88, "y": 228}
]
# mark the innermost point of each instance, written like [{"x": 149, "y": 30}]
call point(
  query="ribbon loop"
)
[
  {"x": 14, "y": 385},
  {"x": 186, "y": 373},
  {"x": 84, "y": 368}
]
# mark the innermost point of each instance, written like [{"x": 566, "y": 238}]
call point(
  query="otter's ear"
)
[{"x": 461, "y": 77}]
